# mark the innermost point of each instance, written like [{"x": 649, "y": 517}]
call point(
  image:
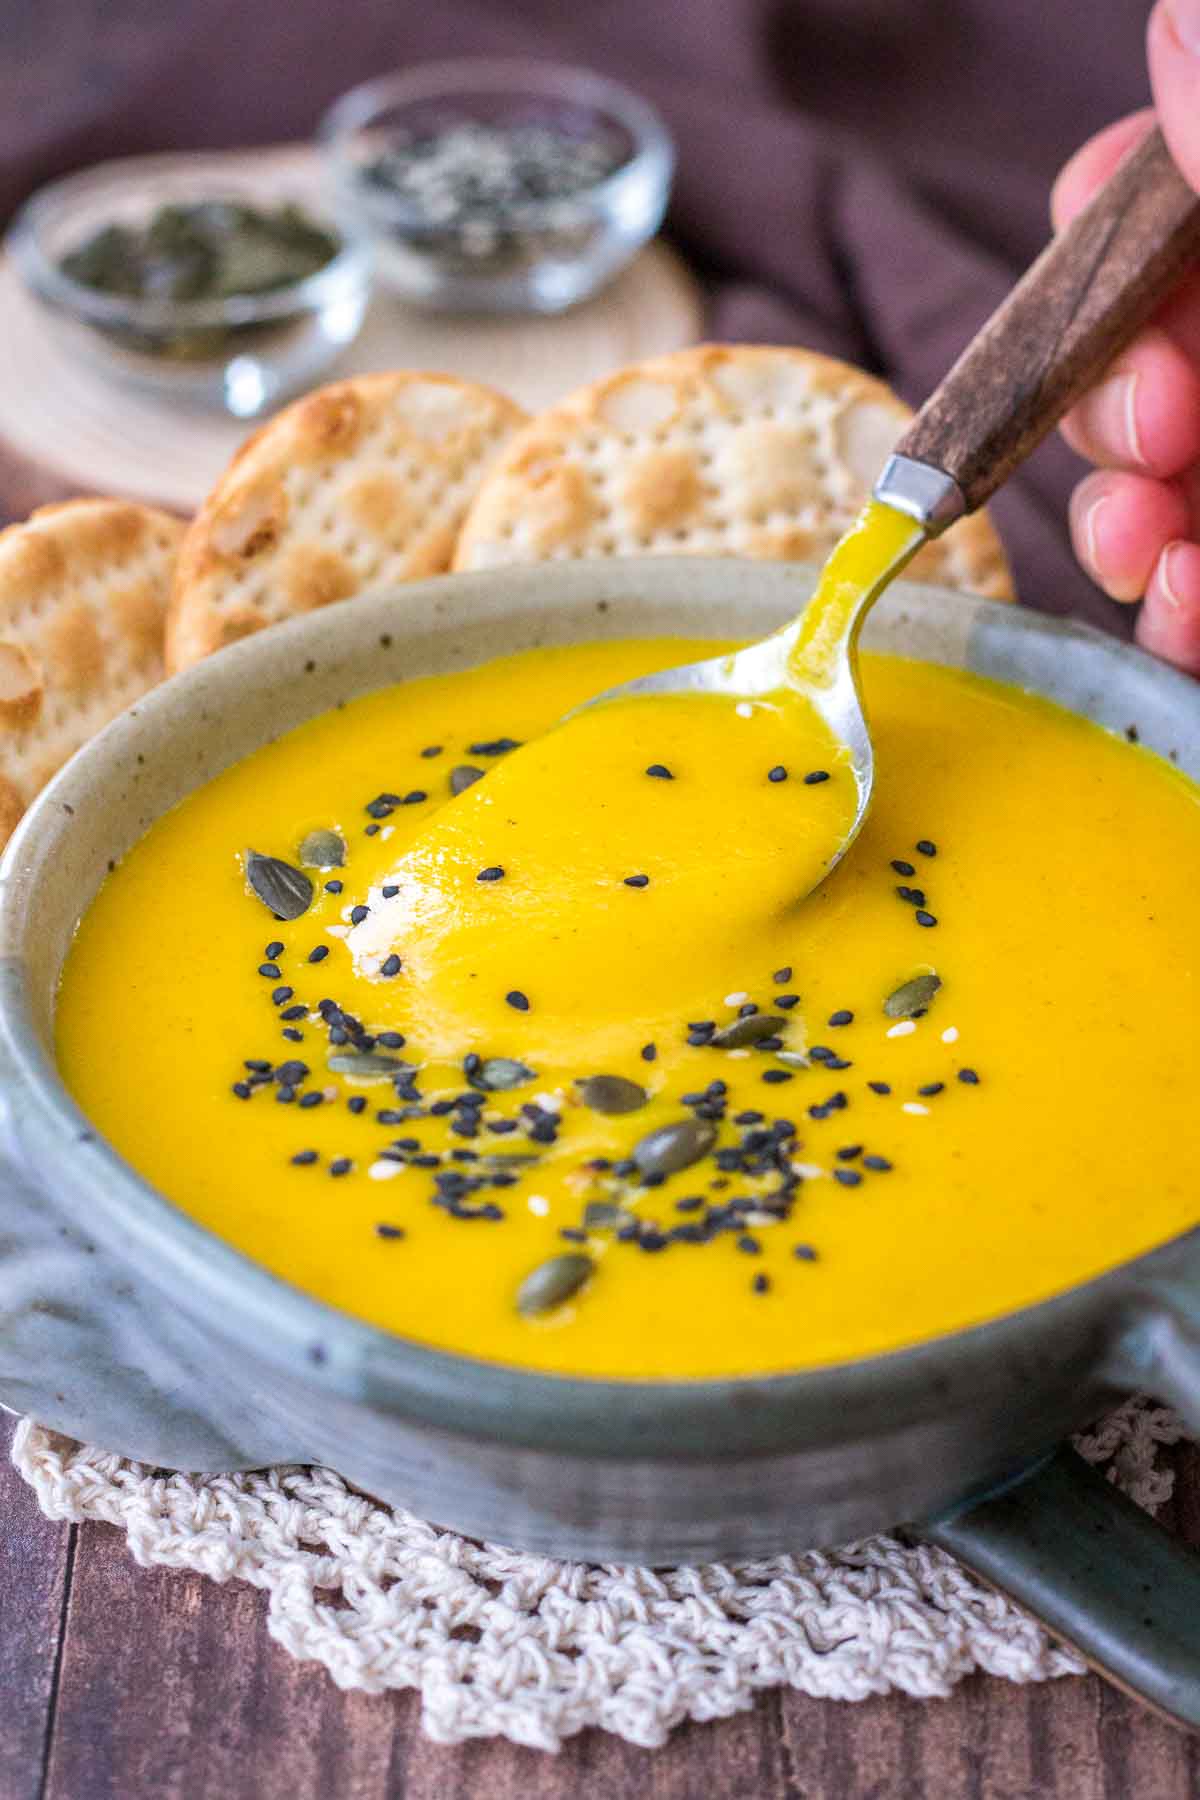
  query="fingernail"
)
[
  {"x": 1166, "y": 586},
  {"x": 1185, "y": 18},
  {"x": 1090, "y": 520},
  {"x": 1112, "y": 416}
]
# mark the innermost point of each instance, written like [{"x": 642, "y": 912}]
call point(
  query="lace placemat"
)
[{"x": 501, "y": 1643}]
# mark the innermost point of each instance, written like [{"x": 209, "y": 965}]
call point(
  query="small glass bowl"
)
[
  {"x": 542, "y": 259},
  {"x": 241, "y": 354}
]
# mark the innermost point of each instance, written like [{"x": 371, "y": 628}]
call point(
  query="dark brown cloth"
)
[{"x": 863, "y": 176}]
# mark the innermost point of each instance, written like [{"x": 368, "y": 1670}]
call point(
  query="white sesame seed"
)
[
  {"x": 386, "y": 833},
  {"x": 744, "y": 710},
  {"x": 383, "y": 1170},
  {"x": 916, "y": 1109},
  {"x": 905, "y": 1028},
  {"x": 950, "y": 1035},
  {"x": 338, "y": 931},
  {"x": 759, "y": 1219},
  {"x": 538, "y": 1205},
  {"x": 549, "y": 1102},
  {"x": 736, "y": 999},
  {"x": 741, "y": 1054},
  {"x": 809, "y": 1171}
]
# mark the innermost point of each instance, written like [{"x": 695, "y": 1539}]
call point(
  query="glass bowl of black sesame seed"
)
[
  {"x": 499, "y": 187},
  {"x": 197, "y": 277}
]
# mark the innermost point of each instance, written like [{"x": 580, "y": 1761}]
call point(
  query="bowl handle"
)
[{"x": 1065, "y": 1543}]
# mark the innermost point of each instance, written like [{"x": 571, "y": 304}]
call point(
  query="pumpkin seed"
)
[
  {"x": 365, "y": 1063},
  {"x": 502, "y": 1072},
  {"x": 285, "y": 891},
  {"x": 552, "y": 1282},
  {"x": 912, "y": 997},
  {"x": 462, "y": 777},
  {"x": 749, "y": 1030},
  {"x": 603, "y": 1215},
  {"x": 322, "y": 850},
  {"x": 674, "y": 1147},
  {"x": 611, "y": 1094}
]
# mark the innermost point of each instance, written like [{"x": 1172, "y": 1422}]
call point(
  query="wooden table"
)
[{"x": 119, "y": 1683}]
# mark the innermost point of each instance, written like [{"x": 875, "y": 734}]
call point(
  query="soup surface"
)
[{"x": 957, "y": 1078}]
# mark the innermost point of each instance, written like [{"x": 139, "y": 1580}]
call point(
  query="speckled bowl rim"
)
[{"x": 711, "y": 1417}]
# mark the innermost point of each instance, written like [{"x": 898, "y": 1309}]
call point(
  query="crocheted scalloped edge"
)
[{"x": 502, "y": 1643}]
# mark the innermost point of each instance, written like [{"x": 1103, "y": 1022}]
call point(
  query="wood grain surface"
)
[{"x": 120, "y": 1683}]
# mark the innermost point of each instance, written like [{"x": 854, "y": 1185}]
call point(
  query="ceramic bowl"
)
[{"x": 125, "y": 1323}]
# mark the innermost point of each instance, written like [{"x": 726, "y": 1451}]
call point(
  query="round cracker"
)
[
  {"x": 363, "y": 483},
  {"x": 735, "y": 450},
  {"x": 83, "y": 600}
]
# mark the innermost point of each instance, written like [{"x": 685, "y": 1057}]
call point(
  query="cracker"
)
[
  {"x": 739, "y": 450},
  {"x": 361, "y": 484},
  {"x": 83, "y": 598}
]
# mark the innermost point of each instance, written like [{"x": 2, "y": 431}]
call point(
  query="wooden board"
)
[
  {"x": 66, "y": 428},
  {"x": 119, "y": 1683}
]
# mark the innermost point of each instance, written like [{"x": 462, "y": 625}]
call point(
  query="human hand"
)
[{"x": 1135, "y": 522}]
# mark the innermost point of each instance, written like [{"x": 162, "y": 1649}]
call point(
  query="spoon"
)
[{"x": 1073, "y": 310}]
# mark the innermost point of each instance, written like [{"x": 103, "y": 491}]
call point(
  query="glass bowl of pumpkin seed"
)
[
  {"x": 496, "y": 186},
  {"x": 194, "y": 277}
]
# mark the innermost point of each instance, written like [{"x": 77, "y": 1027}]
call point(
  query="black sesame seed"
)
[
  {"x": 333, "y": 887},
  {"x": 371, "y": 831},
  {"x": 573, "y": 1234},
  {"x": 494, "y": 746},
  {"x": 879, "y": 1087},
  {"x": 516, "y": 999},
  {"x": 930, "y": 1088},
  {"x": 303, "y": 1158},
  {"x": 969, "y": 1076},
  {"x": 773, "y": 1077},
  {"x": 761, "y": 1283},
  {"x": 390, "y": 891},
  {"x": 649, "y": 1052},
  {"x": 358, "y": 914},
  {"x": 841, "y": 1017},
  {"x": 925, "y": 918},
  {"x": 338, "y": 1035},
  {"x": 319, "y": 953},
  {"x": 879, "y": 1165},
  {"x": 778, "y": 773},
  {"x": 750, "y": 1246},
  {"x": 804, "y": 1253},
  {"x": 258, "y": 1064},
  {"x": 848, "y": 1152},
  {"x": 492, "y": 873},
  {"x": 285, "y": 1095},
  {"x": 313, "y": 1098},
  {"x": 341, "y": 1165},
  {"x": 384, "y": 1230},
  {"x": 415, "y": 797},
  {"x": 432, "y": 750},
  {"x": 781, "y": 976},
  {"x": 769, "y": 1043},
  {"x": 785, "y": 1002},
  {"x": 391, "y": 1040},
  {"x": 847, "y": 1177},
  {"x": 273, "y": 949},
  {"x": 661, "y": 771},
  {"x": 270, "y": 970},
  {"x": 690, "y": 1203},
  {"x": 637, "y": 881},
  {"x": 390, "y": 965},
  {"x": 242, "y": 1089},
  {"x": 748, "y": 1118},
  {"x": 281, "y": 995},
  {"x": 294, "y": 1012},
  {"x": 927, "y": 847},
  {"x": 914, "y": 896},
  {"x": 821, "y": 1053},
  {"x": 901, "y": 867},
  {"x": 815, "y": 776},
  {"x": 292, "y": 1035},
  {"x": 357, "y": 1103}
]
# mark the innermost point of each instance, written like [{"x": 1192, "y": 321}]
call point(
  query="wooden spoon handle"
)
[{"x": 1071, "y": 313}]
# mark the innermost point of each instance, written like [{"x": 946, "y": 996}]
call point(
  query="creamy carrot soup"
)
[{"x": 538, "y": 1058}]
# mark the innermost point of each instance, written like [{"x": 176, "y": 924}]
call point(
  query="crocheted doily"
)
[{"x": 502, "y": 1643}]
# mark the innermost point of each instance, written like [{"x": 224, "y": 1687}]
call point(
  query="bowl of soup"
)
[{"x": 657, "y": 1215}]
